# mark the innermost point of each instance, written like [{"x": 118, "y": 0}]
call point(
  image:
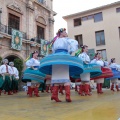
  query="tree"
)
[{"x": 18, "y": 63}]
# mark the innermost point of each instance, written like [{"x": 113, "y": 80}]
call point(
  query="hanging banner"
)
[
  {"x": 44, "y": 48},
  {"x": 16, "y": 42}
]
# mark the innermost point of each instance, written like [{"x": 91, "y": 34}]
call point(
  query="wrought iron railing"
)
[
  {"x": 8, "y": 30},
  {"x": 36, "y": 39}
]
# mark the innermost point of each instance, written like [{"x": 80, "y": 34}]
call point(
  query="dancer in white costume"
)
[
  {"x": 114, "y": 80},
  {"x": 61, "y": 65},
  {"x": 85, "y": 77},
  {"x": 6, "y": 71},
  {"x": 15, "y": 77},
  {"x": 61, "y": 76},
  {"x": 98, "y": 60},
  {"x": 33, "y": 74}
]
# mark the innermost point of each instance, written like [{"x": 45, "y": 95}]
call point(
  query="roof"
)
[{"x": 92, "y": 10}]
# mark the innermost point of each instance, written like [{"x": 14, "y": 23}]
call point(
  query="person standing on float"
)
[{"x": 60, "y": 64}]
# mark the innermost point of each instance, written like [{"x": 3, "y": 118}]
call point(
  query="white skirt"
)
[
  {"x": 114, "y": 81},
  {"x": 100, "y": 80},
  {"x": 60, "y": 74},
  {"x": 85, "y": 77}
]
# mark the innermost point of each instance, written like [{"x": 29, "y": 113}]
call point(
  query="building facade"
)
[
  {"x": 99, "y": 28},
  {"x": 34, "y": 19}
]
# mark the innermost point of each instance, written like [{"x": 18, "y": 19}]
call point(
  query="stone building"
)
[
  {"x": 33, "y": 18},
  {"x": 99, "y": 28}
]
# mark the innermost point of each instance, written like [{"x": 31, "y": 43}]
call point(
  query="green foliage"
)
[
  {"x": 18, "y": 63},
  {"x": 0, "y": 60}
]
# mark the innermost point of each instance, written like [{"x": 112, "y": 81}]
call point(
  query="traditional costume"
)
[
  {"x": 106, "y": 72},
  {"x": 32, "y": 73},
  {"x": 15, "y": 77},
  {"x": 6, "y": 80},
  {"x": 61, "y": 65},
  {"x": 90, "y": 69},
  {"x": 116, "y": 74}
]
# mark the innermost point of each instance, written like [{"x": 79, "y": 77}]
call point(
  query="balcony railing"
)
[
  {"x": 36, "y": 39},
  {"x": 8, "y": 30}
]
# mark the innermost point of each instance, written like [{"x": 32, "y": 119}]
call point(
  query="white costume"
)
[
  {"x": 85, "y": 58},
  {"x": 101, "y": 63},
  {"x": 115, "y": 65},
  {"x": 3, "y": 69},
  {"x": 15, "y": 72},
  {"x": 68, "y": 44},
  {"x": 61, "y": 75},
  {"x": 32, "y": 63}
]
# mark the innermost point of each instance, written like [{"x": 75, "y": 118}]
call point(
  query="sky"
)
[{"x": 66, "y": 7}]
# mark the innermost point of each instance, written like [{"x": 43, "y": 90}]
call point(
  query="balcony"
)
[
  {"x": 8, "y": 30},
  {"x": 36, "y": 40}
]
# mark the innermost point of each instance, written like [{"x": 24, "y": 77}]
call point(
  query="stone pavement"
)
[{"x": 95, "y": 107}]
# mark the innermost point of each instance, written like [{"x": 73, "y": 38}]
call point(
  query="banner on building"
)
[
  {"x": 44, "y": 48},
  {"x": 16, "y": 42}
]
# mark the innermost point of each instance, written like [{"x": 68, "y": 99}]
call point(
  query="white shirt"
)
[
  {"x": 99, "y": 62},
  {"x": 70, "y": 45},
  {"x": 115, "y": 65},
  {"x": 84, "y": 57},
  {"x": 15, "y": 72},
  {"x": 3, "y": 69},
  {"x": 32, "y": 62},
  {"x": 73, "y": 45}
]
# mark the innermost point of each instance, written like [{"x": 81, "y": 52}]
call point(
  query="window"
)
[
  {"x": 84, "y": 18},
  {"x": 100, "y": 38},
  {"x": 103, "y": 54},
  {"x": 90, "y": 17},
  {"x": 79, "y": 39},
  {"x": 40, "y": 33},
  {"x": 98, "y": 17},
  {"x": 77, "y": 22},
  {"x": 14, "y": 21},
  {"x": 118, "y": 9},
  {"x": 87, "y": 17},
  {"x": 41, "y": 1}
]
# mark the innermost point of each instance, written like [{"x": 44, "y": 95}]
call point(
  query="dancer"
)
[
  {"x": 32, "y": 73},
  {"x": 61, "y": 65},
  {"x": 106, "y": 72},
  {"x": 6, "y": 81},
  {"x": 116, "y": 74},
  {"x": 89, "y": 69},
  {"x": 15, "y": 77}
]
